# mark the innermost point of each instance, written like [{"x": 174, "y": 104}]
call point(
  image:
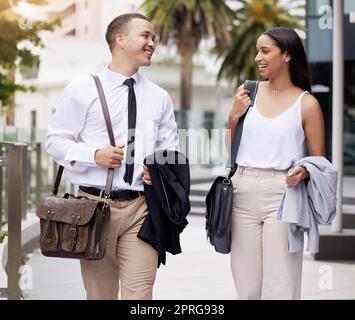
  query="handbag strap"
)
[
  {"x": 252, "y": 87},
  {"x": 110, "y": 171}
]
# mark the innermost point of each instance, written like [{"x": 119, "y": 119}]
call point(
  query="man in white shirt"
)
[{"x": 77, "y": 138}]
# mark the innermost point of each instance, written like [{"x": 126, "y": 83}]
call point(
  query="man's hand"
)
[
  {"x": 110, "y": 157},
  {"x": 146, "y": 176},
  {"x": 296, "y": 175}
]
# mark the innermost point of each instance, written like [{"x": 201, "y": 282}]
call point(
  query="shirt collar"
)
[{"x": 117, "y": 77}]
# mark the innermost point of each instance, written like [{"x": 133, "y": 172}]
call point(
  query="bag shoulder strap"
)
[
  {"x": 104, "y": 107},
  {"x": 110, "y": 171},
  {"x": 106, "y": 113},
  {"x": 57, "y": 180},
  {"x": 252, "y": 87}
]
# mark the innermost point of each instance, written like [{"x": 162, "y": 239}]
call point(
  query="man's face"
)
[{"x": 138, "y": 42}]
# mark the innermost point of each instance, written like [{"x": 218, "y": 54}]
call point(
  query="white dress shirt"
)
[{"x": 78, "y": 128}]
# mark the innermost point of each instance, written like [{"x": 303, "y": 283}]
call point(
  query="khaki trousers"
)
[
  {"x": 261, "y": 265},
  {"x": 128, "y": 262}
]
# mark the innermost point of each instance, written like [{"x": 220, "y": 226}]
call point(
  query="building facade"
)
[
  {"x": 79, "y": 47},
  {"x": 319, "y": 49}
]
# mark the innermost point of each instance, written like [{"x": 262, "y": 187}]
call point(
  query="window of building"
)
[
  {"x": 31, "y": 73},
  {"x": 349, "y": 118},
  {"x": 319, "y": 49},
  {"x": 314, "y": 7},
  {"x": 349, "y": 6},
  {"x": 319, "y": 42},
  {"x": 71, "y": 33}
]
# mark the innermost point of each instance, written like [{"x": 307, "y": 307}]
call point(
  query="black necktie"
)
[{"x": 132, "y": 115}]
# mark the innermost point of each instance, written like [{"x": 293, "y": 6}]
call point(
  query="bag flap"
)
[{"x": 68, "y": 210}]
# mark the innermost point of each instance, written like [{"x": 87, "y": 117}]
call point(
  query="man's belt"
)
[{"x": 115, "y": 194}]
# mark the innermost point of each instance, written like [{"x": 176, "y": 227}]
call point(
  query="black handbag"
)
[{"x": 219, "y": 200}]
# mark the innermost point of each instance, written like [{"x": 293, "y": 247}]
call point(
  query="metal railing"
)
[
  {"x": 26, "y": 175},
  {"x": 13, "y": 159},
  {"x": 38, "y": 169}
]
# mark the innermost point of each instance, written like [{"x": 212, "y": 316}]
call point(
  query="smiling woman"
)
[{"x": 284, "y": 118}]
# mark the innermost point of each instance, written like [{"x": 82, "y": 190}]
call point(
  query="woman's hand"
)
[
  {"x": 296, "y": 175},
  {"x": 241, "y": 103}
]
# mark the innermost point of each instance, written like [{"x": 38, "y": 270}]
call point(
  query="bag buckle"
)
[
  {"x": 73, "y": 231},
  {"x": 50, "y": 214},
  {"x": 231, "y": 172},
  {"x": 232, "y": 169},
  {"x": 105, "y": 201},
  {"x": 72, "y": 228}
]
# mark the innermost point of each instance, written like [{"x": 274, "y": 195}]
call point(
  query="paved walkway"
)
[{"x": 197, "y": 273}]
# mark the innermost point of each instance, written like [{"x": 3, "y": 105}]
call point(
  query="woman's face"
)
[{"x": 270, "y": 59}]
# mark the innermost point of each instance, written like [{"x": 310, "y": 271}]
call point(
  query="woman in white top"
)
[{"x": 284, "y": 119}]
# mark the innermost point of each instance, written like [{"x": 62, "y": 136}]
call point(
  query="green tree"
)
[
  {"x": 14, "y": 31},
  {"x": 252, "y": 19},
  {"x": 3, "y": 235},
  {"x": 186, "y": 22}
]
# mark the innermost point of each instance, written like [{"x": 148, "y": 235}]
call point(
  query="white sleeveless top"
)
[{"x": 276, "y": 142}]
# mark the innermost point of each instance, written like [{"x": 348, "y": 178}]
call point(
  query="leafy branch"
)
[{"x": 3, "y": 235}]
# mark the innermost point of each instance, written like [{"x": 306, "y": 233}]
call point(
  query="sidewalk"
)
[{"x": 198, "y": 273}]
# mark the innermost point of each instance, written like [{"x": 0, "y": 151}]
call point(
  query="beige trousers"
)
[
  {"x": 129, "y": 262},
  {"x": 261, "y": 265}
]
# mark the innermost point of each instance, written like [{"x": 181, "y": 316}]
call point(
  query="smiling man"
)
[{"x": 142, "y": 117}]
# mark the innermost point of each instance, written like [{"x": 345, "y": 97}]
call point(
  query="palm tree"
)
[
  {"x": 186, "y": 22},
  {"x": 252, "y": 19}
]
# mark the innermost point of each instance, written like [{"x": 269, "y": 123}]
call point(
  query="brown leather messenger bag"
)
[{"x": 77, "y": 227}]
